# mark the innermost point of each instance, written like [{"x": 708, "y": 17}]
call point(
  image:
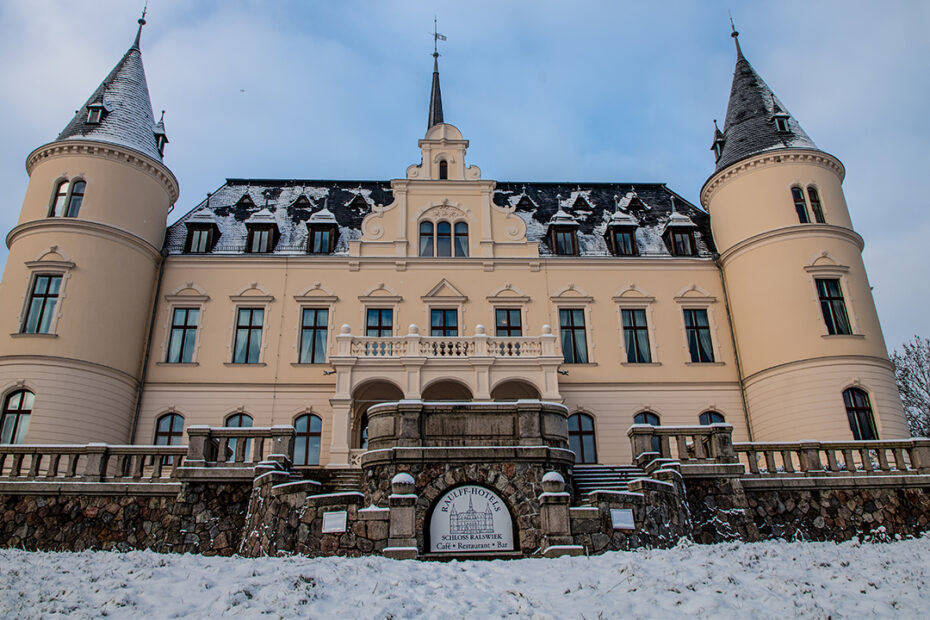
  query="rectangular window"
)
[
  {"x": 683, "y": 242},
  {"x": 508, "y": 323},
  {"x": 313, "y": 336},
  {"x": 799, "y": 205},
  {"x": 565, "y": 242},
  {"x": 322, "y": 239},
  {"x": 183, "y": 335},
  {"x": 444, "y": 322},
  {"x": 379, "y": 323},
  {"x": 624, "y": 244},
  {"x": 574, "y": 341},
  {"x": 200, "y": 240},
  {"x": 833, "y": 306},
  {"x": 815, "y": 205},
  {"x": 636, "y": 337},
  {"x": 261, "y": 239},
  {"x": 697, "y": 330},
  {"x": 42, "y": 303},
  {"x": 248, "y": 335}
]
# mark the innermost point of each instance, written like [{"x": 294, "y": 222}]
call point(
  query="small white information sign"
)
[
  {"x": 470, "y": 518},
  {"x": 335, "y": 522},
  {"x": 622, "y": 518}
]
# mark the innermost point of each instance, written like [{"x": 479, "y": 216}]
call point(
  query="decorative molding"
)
[
  {"x": 70, "y": 224},
  {"x": 796, "y": 231}
]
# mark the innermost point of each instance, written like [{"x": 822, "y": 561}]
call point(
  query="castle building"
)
[{"x": 305, "y": 302}]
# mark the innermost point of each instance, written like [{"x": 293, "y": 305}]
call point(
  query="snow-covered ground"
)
[{"x": 761, "y": 580}]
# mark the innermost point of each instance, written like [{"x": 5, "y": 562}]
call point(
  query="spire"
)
[
  {"x": 135, "y": 44},
  {"x": 756, "y": 121},
  {"x": 435, "y": 96},
  {"x": 119, "y": 111}
]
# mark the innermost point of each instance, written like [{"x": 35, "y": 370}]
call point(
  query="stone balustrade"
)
[
  {"x": 416, "y": 345},
  {"x": 692, "y": 444},
  {"x": 95, "y": 462},
  {"x": 239, "y": 447}
]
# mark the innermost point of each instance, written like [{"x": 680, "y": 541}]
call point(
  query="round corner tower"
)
[
  {"x": 84, "y": 258},
  {"x": 813, "y": 359}
]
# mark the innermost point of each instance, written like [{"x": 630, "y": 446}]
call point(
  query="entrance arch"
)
[
  {"x": 514, "y": 389},
  {"x": 364, "y": 397},
  {"x": 447, "y": 389}
]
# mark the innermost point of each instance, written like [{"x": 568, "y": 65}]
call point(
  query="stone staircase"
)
[
  {"x": 589, "y": 478},
  {"x": 344, "y": 480}
]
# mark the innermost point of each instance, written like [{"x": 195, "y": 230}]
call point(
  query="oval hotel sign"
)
[{"x": 470, "y": 519}]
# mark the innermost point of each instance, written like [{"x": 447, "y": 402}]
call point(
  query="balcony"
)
[{"x": 479, "y": 345}]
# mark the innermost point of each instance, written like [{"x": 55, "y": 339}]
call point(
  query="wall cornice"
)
[
  {"x": 59, "y": 224},
  {"x": 827, "y": 360},
  {"x": 796, "y": 232},
  {"x": 112, "y": 152},
  {"x": 769, "y": 158}
]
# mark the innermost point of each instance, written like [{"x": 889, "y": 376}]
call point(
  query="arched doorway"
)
[
  {"x": 514, "y": 389},
  {"x": 447, "y": 389},
  {"x": 364, "y": 397}
]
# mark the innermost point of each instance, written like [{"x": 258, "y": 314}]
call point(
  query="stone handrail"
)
[
  {"x": 687, "y": 444},
  {"x": 416, "y": 345},
  {"x": 95, "y": 462},
  {"x": 907, "y": 456},
  {"x": 239, "y": 447}
]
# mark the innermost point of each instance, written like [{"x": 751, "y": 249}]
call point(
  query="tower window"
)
[
  {"x": 67, "y": 199},
  {"x": 77, "y": 197},
  {"x": 833, "y": 306},
  {"x": 59, "y": 200},
  {"x": 443, "y": 169},
  {"x": 799, "y": 205},
  {"x": 160, "y": 142},
  {"x": 183, "y": 335},
  {"x": 859, "y": 412},
  {"x": 248, "y": 345},
  {"x": 313, "y": 336},
  {"x": 17, "y": 409},
  {"x": 781, "y": 124},
  {"x": 581, "y": 438},
  {"x": 42, "y": 303},
  {"x": 697, "y": 330},
  {"x": 307, "y": 440},
  {"x": 572, "y": 331},
  {"x": 814, "y": 197},
  {"x": 94, "y": 113},
  {"x": 636, "y": 336}
]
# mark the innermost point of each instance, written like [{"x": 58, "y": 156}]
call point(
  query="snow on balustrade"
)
[
  {"x": 89, "y": 463},
  {"x": 908, "y": 456}
]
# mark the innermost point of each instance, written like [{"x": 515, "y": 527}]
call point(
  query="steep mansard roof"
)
[
  {"x": 129, "y": 121},
  {"x": 750, "y": 124},
  {"x": 292, "y": 203}
]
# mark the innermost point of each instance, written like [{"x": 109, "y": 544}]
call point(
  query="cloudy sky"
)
[{"x": 545, "y": 91}]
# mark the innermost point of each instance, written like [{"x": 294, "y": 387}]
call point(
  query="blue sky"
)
[{"x": 544, "y": 90}]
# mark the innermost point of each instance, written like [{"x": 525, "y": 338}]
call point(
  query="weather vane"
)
[{"x": 436, "y": 38}]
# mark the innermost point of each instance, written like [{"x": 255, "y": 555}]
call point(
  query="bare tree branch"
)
[{"x": 912, "y": 372}]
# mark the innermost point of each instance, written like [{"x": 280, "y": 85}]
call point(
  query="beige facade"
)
[{"x": 743, "y": 335}]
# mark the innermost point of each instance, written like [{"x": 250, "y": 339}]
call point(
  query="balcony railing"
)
[{"x": 478, "y": 345}]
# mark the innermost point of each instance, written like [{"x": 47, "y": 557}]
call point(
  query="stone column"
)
[
  {"x": 339, "y": 448},
  {"x": 402, "y": 533},
  {"x": 555, "y": 520}
]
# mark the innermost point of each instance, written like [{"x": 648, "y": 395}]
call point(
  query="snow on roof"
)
[{"x": 292, "y": 204}]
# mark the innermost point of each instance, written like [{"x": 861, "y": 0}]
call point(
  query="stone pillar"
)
[
  {"x": 722, "y": 438},
  {"x": 920, "y": 455},
  {"x": 810, "y": 457},
  {"x": 339, "y": 448},
  {"x": 402, "y": 533},
  {"x": 197, "y": 438},
  {"x": 641, "y": 440},
  {"x": 96, "y": 467},
  {"x": 282, "y": 444},
  {"x": 555, "y": 519}
]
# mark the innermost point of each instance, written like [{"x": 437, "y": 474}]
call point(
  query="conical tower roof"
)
[
  {"x": 124, "y": 94},
  {"x": 750, "y": 126}
]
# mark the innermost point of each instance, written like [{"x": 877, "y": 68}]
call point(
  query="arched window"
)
[
  {"x": 859, "y": 412},
  {"x": 238, "y": 420},
  {"x": 307, "y": 441},
  {"x": 800, "y": 205},
  {"x": 17, "y": 408},
  {"x": 647, "y": 417},
  {"x": 426, "y": 238},
  {"x": 77, "y": 197},
  {"x": 581, "y": 438},
  {"x": 168, "y": 432},
  {"x": 711, "y": 417},
  {"x": 59, "y": 200},
  {"x": 443, "y": 239},
  {"x": 815, "y": 204},
  {"x": 443, "y": 169},
  {"x": 461, "y": 239}
]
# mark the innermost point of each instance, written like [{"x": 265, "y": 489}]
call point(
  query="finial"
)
[
  {"x": 715, "y": 125},
  {"x": 672, "y": 197},
  {"x": 436, "y": 38},
  {"x": 135, "y": 44},
  {"x": 162, "y": 119},
  {"x": 735, "y": 35}
]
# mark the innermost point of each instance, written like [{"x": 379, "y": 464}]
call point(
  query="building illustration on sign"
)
[{"x": 471, "y": 521}]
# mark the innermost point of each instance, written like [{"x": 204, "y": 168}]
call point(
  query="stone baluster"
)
[
  {"x": 95, "y": 467},
  {"x": 402, "y": 528}
]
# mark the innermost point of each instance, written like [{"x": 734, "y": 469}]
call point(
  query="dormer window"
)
[
  {"x": 322, "y": 238},
  {"x": 200, "y": 238},
  {"x": 443, "y": 169},
  {"x": 718, "y": 149},
  {"x": 160, "y": 141},
  {"x": 622, "y": 241},
  {"x": 563, "y": 240},
  {"x": 95, "y": 113},
  {"x": 261, "y": 239},
  {"x": 781, "y": 123},
  {"x": 683, "y": 243}
]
